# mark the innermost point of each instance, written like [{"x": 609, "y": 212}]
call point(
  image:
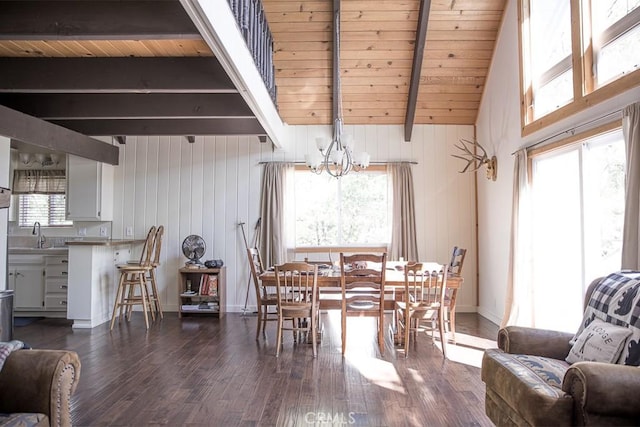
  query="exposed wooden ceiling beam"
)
[
  {"x": 137, "y": 105},
  {"x": 95, "y": 20},
  {"x": 114, "y": 75},
  {"x": 416, "y": 68},
  {"x": 182, "y": 127},
  {"x": 31, "y": 130}
]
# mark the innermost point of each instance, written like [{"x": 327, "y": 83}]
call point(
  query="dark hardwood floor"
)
[{"x": 201, "y": 371}]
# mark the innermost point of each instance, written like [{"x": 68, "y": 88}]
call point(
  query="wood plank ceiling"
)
[{"x": 377, "y": 47}]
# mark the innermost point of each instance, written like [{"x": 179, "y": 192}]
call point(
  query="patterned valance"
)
[{"x": 39, "y": 181}]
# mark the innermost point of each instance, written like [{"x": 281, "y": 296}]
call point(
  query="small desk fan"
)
[{"x": 193, "y": 247}]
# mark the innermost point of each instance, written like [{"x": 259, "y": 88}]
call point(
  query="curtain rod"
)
[
  {"x": 571, "y": 130},
  {"x": 411, "y": 162}
]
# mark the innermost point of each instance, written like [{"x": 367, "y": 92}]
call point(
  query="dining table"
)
[{"x": 329, "y": 286}]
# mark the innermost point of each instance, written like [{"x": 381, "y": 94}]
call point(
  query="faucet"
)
[{"x": 41, "y": 238}]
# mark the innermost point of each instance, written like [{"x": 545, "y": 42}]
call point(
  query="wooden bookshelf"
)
[{"x": 196, "y": 295}]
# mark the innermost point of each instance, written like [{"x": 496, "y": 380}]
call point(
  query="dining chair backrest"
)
[
  {"x": 296, "y": 283},
  {"x": 433, "y": 285},
  {"x": 457, "y": 260},
  {"x": 414, "y": 282},
  {"x": 362, "y": 279},
  {"x": 255, "y": 264},
  {"x": 363, "y": 270}
]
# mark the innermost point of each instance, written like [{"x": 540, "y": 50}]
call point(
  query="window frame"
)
[{"x": 585, "y": 91}]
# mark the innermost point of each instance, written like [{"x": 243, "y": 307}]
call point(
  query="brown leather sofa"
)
[
  {"x": 528, "y": 383},
  {"x": 36, "y": 387}
]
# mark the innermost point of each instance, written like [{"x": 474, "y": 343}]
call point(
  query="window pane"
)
[
  {"x": 550, "y": 22},
  {"x": 619, "y": 57},
  {"x": 578, "y": 214},
  {"x": 364, "y": 208},
  {"x": 553, "y": 95},
  {"x": 352, "y": 210},
  {"x": 604, "y": 204},
  {"x": 607, "y": 12},
  {"x": 316, "y": 199},
  {"x": 557, "y": 241},
  {"x": 48, "y": 210}
]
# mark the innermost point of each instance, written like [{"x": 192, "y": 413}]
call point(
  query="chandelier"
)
[{"x": 336, "y": 155}]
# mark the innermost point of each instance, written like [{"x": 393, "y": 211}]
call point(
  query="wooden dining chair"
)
[
  {"x": 266, "y": 302},
  {"x": 297, "y": 294},
  {"x": 422, "y": 302},
  {"x": 362, "y": 282}
]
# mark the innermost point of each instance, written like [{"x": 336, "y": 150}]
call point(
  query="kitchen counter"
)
[
  {"x": 93, "y": 277},
  {"x": 104, "y": 242},
  {"x": 39, "y": 251}
]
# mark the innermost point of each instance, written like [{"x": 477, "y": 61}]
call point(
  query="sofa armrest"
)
[
  {"x": 603, "y": 391},
  {"x": 537, "y": 342},
  {"x": 40, "y": 381}
]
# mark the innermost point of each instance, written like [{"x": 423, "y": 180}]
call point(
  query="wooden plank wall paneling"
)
[
  {"x": 377, "y": 42},
  {"x": 207, "y": 187}
]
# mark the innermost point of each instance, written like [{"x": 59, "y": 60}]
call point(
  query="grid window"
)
[
  {"x": 572, "y": 52},
  {"x": 47, "y": 209}
]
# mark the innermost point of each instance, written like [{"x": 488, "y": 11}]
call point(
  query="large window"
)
[
  {"x": 578, "y": 214},
  {"x": 352, "y": 210},
  {"x": 573, "y": 49}
]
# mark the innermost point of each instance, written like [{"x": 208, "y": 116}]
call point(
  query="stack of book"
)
[{"x": 208, "y": 285}]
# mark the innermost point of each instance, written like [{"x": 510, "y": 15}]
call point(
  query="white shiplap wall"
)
[{"x": 208, "y": 187}]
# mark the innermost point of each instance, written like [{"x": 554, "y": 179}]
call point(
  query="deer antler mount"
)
[{"x": 475, "y": 155}]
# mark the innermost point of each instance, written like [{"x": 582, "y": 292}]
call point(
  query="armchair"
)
[
  {"x": 36, "y": 385},
  {"x": 528, "y": 382}
]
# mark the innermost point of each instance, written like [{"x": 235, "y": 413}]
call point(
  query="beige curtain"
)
[
  {"x": 38, "y": 181},
  {"x": 631, "y": 231},
  {"x": 403, "y": 232},
  {"x": 272, "y": 213},
  {"x": 518, "y": 303}
]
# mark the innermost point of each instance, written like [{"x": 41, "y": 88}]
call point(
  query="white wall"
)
[
  {"x": 5, "y": 161},
  {"x": 498, "y": 128},
  {"x": 208, "y": 187}
]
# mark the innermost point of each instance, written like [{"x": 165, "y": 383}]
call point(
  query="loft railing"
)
[{"x": 253, "y": 24}]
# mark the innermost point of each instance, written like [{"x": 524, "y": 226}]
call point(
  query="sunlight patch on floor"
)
[
  {"x": 379, "y": 372},
  {"x": 468, "y": 349}
]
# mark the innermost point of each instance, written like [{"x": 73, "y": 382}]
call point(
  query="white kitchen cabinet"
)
[
  {"x": 89, "y": 190},
  {"x": 27, "y": 282}
]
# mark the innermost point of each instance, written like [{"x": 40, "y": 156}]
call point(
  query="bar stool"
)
[{"x": 134, "y": 276}]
